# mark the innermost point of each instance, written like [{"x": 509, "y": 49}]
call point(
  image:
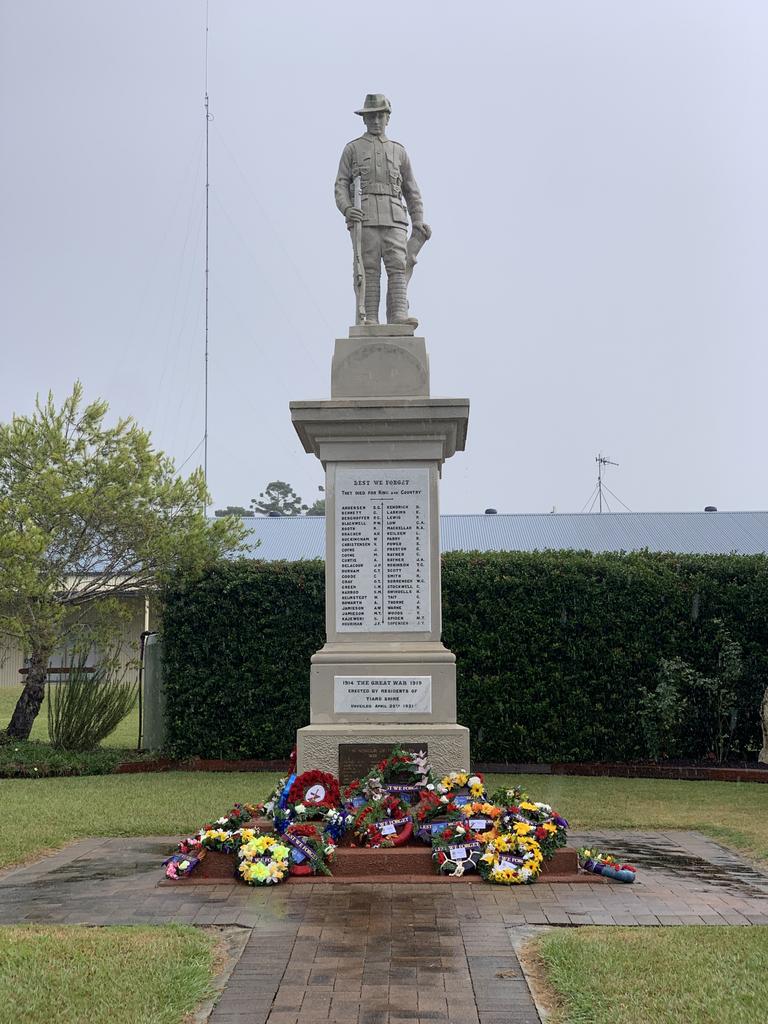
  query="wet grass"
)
[
  {"x": 47, "y": 813},
  {"x": 137, "y": 975},
  {"x": 735, "y": 813},
  {"x": 171, "y": 803},
  {"x": 702, "y": 974}
]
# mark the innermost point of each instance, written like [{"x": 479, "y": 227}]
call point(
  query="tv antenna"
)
[{"x": 601, "y": 490}]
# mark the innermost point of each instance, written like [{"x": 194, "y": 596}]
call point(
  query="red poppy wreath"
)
[{"x": 315, "y": 789}]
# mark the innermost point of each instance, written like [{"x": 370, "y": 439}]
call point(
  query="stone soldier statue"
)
[{"x": 379, "y": 222}]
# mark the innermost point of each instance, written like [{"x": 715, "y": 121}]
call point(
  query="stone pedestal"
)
[{"x": 383, "y": 676}]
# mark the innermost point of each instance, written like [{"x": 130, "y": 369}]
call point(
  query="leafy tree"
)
[
  {"x": 280, "y": 498},
  {"x": 234, "y": 510},
  {"x": 88, "y": 514},
  {"x": 318, "y": 508}
]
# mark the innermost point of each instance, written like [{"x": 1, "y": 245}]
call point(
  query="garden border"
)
[{"x": 690, "y": 773}]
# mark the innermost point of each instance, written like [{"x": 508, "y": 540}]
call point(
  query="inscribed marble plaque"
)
[
  {"x": 404, "y": 695},
  {"x": 382, "y": 550}
]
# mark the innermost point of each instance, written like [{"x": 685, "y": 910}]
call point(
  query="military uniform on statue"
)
[
  {"x": 383, "y": 676},
  {"x": 386, "y": 182}
]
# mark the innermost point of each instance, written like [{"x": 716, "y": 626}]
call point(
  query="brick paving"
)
[{"x": 385, "y": 953}]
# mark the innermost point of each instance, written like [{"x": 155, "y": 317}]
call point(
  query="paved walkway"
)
[{"x": 384, "y": 953}]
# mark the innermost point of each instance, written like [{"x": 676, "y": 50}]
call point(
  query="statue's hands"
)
[
  {"x": 351, "y": 215},
  {"x": 425, "y": 229}
]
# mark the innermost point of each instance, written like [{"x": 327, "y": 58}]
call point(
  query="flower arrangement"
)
[
  {"x": 511, "y": 859},
  {"x": 310, "y": 850},
  {"x": 316, "y": 790},
  {"x": 180, "y": 865},
  {"x": 605, "y": 864},
  {"x": 452, "y": 785},
  {"x": 483, "y": 819},
  {"x": 225, "y": 841},
  {"x": 432, "y": 812},
  {"x": 456, "y": 850},
  {"x": 531, "y": 818},
  {"x": 403, "y": 774},
  {"x": 383, "y": 822},
  {"x": 263, "y": 860},
  {"x": 236, "y": 817}
]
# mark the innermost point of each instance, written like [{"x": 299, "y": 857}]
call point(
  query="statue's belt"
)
[{"x": 381, "y": 190}]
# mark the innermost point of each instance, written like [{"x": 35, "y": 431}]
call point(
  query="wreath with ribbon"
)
[
  {"x": 605, "y": 864},
  {"x": 264, "y": 860},
  {"x": 539, "y": 821},
  {"x": 316, "y": 790},
  {"x": 482, "y": 819},
  {"x": 456, "y": 850},
  {"x": 181, "y": 865},
  {"x": 452, "y": 785},
  {"x": 432, "y": 813},
  {"x": 403, "y": 774},
  {"x": 310, "y": 850},
  {"x": 384, "y": 822},
  {"x": 511, "y": 859}
]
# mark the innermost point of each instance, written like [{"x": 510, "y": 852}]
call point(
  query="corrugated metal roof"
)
[{"x": 720, "y": 533}]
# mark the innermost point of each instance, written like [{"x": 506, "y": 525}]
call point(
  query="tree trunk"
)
[
  {"x": 31, "y": 699},
  {"x": 763, "y": 755}
]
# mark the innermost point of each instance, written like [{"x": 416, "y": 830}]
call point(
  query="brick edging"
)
[{"x": 608, "y": 769}]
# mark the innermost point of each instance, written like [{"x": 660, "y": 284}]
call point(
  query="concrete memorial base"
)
[{"x": 446, "y": 744}]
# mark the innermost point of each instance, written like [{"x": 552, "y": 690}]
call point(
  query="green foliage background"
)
[{"x": 551, "y": 649}]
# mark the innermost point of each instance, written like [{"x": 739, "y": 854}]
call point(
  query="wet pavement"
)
[{"x": 386, "y": 953}]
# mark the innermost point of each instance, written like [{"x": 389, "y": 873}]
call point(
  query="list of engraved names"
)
[{"x": 382, "y": 550}]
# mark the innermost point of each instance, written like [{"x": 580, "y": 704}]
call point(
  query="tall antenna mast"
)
[
  {"x": 208, "y": 119},
  {"x": 601, "y": 461}
]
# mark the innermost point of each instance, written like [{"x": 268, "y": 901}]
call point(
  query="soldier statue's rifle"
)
[{"x": 357, "y": 249}]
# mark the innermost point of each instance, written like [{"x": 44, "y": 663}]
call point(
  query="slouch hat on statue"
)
[{"x": 374, "y": 102}]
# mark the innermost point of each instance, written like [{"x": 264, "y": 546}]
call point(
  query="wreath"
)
[
  {"x": 310, "y": 850},
  {"x": 482, "y": 819},
  {"x": 432, "y": 813},
  {"x": 402, "y": 774},
  {"x": 511, "y": 859},
  {"x": 316, "y": 790},
  {"x": 264, "y": 860},
  {"x": 224, "y": 840},
  {"x": 455, "y": 850},
  {"x": 605, "y": 864},
  {"x": 180, "y": 865},
  {"x": 539, "y": 821},
  {"x": 462, "y": 787},
  {"x": 383, "y": 822}
]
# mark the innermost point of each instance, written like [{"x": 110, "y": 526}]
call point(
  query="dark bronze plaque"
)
[{"x": 357, "y": 759}]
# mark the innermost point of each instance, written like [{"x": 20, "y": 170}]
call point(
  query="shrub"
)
[
  {"x": 84, "y": 709},
  {"x": 555, "y": 651}
]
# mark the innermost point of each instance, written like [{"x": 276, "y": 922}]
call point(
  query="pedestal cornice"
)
[{"x": 440, "y": 422}]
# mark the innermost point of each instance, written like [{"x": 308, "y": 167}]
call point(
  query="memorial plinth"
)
[{"x": 383, "y": 675}]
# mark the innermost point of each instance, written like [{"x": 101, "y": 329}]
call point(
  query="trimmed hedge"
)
[{"x": 551, "y": 648}]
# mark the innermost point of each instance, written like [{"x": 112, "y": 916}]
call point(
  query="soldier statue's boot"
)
[
  {"x": 372, "y": 295},
  {"x": 397, "y": 300}
]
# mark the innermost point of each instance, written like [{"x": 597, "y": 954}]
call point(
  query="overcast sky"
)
[{"x": 595, "y": 173}]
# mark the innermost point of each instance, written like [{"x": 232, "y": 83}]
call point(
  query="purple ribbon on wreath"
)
[{"x": 304, "y": 849}]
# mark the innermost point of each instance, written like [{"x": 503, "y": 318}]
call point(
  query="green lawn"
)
[
  {"x": 697, "y": 974},
  {"x": 180, "y": 802},
  {"x": 138, "y": 975},
  {"x": 733, "y": 812},
  {"x": 126, "y": 735}
]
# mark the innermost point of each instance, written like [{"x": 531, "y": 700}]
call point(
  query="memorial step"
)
[{"x": 401, "y": 864}]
